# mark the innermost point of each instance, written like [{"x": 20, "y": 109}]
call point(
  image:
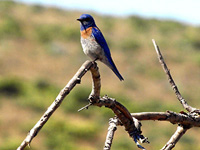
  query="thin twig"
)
[
  {"x": 85, "y": 107},
  {"x": 175, "y": 138},
  {"x": 171, "y": 81}
]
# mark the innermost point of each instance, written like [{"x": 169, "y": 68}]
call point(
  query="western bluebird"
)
[{"x": 93, "y": 43}]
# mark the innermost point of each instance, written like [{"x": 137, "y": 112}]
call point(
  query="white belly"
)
[{"x": 92, "y": 49}]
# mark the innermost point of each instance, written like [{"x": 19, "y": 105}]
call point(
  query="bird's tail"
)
[
  {"x": 112, "y": 66},
  {"x": 118, "y": 74}
]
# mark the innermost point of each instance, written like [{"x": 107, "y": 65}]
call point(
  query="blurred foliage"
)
[
  {"x": 10, "y": 144},
  {"x": 38, "y": 9},
  {"x": 11, "y": 87},
  {"x": 170, "y": 27},
  {"x": 139, "y": 24},
  {"x": 65, "y": 135},
  {"x": 48, "y": 33},
  {"x": 10, "y": 27},
  {"x": 130, "y": 45},
  {"x": 193, "y": 39},
  {"x": 40, "y": 51},
  {"x": 108, "y": 23},
  {"x": 6, "y": 6},
  {"x": 38, "y": 95}
]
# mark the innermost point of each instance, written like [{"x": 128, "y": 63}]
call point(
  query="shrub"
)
[
  {"x": 62, "y": 135},
  {"x": 11, "y": 87},
  {"x": 10, "y": 27},
  {"x": 129, "y": 45},
  {"x": 170, "y": 27},
  {"x": 38, "y": 8},
  {"x": 6, "y": 6},
  {"x": 139, "y": 24},
  {"x": 48, "y": 33},
  {"x": 45, "y": 33}
]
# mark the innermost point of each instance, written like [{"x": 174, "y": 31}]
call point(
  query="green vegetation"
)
[
  {"x": 65, "y": 135},
  {"x": 48, "y": 33},
  {"x": 40, "y": 52},
  {"x": 11, "y": 87},
  {"x": 9, "y": 27}
]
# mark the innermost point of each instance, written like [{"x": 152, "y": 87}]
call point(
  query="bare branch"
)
[
  {"x": 96, "y": 84},
  {"x": 175, "y": 118},
  {"x": 175, "y": 138},
  {"x": 122, "y": 113},
  {"x": 184, "y": 121},
  {"x": 132, "y": 125},
  {"x": 65, "y": 91},
  {"x": 151, "y": 116},
  {"x": 171, "y": 81},
  {"x": 123, "y": 117},
  {"x": 113, "y": 122}
]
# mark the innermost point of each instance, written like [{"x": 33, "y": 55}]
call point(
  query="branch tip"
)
[
  {"x": 85, "y": 107},
  {"x": 171, "y": 81}
]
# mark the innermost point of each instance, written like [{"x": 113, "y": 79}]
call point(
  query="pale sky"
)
[{"x": 187, "y": 11}]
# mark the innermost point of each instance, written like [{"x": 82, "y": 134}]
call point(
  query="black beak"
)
[{"x": 79, "y": 20}]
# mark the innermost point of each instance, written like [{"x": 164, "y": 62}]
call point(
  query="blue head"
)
[{"x": 86, "y": 21}]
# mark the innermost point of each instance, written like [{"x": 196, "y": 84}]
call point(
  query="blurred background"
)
[{"x": 40, "y": 51}]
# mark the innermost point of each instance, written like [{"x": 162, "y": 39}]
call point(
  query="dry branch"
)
[
  {"x": 120, "y": 111},
  {"x": 171, "y": 81},
  {"x": 185, "y": 120},
  {"x": 113, "y": 123},
  {"x": 175, "y": 138},
  {"x": 65, "y": 91},
  {"x": 173, "y": 117},
  {"x": 131, "y": 122}
]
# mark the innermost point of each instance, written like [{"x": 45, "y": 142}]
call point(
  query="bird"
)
[{"x": 94, "y": 44}]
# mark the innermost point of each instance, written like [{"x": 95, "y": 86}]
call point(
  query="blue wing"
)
[
  {"x": 100, "y": 39},
  {"x": 102, "y": 42}
]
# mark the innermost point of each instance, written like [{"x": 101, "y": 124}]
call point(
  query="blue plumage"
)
[{"x": 94, "y": 44}]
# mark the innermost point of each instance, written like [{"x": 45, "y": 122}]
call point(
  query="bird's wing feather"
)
[{"x": 101, "y": 41}]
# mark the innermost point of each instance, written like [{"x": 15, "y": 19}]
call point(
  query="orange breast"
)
[{"x": 86, "y": 33}]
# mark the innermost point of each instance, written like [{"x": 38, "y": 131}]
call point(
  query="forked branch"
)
[
  {"x": 192, "y": 116},
  {"x": 120, "y": 111},
  {"x": 131, "y": 122}
]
